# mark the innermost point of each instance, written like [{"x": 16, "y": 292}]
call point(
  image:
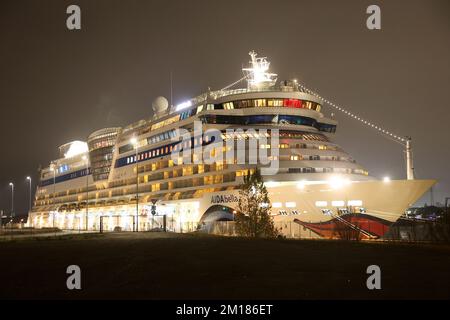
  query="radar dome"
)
[{"x": 160, "y": 104}]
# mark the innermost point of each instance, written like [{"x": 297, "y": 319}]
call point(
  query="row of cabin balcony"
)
[
  {"x": 184, "y": 170},
  {"x": 177, "y": 171},
  {"x": 149, "y": 188}
]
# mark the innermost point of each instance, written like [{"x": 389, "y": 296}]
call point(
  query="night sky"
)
[{"x": 58, "y": 85}]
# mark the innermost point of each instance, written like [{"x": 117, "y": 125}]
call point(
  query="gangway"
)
[{"x": 353, "y": 226}]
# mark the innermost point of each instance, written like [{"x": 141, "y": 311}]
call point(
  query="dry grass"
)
[{"x": 173, "y": 266}]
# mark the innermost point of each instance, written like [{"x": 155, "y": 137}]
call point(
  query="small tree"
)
[{"x": 253, "y": 218}]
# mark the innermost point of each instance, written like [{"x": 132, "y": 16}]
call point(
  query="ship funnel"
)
[{"x": 409, "y": 160}]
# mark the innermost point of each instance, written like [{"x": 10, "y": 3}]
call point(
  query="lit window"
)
[
  {"x": 321, "y": 203},
  {"x": 291, "y": 204},
  {"x": 307, "y": 104},
  {"x": 294, "y": 157},
  {"x": 292, "y": 103},
  {"x": 165, "y": 122},
  {"x": 277, "y": 205},
  {"x": 228, "y": 106},
  {"x": 355, "y": 203},
  {"x": 338, "y": 203},
  {"x": 260, "y": 102},
  {"x": 275, "y": 103}
]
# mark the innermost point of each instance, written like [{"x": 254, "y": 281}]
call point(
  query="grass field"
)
[{"x": 174, "y": 266}]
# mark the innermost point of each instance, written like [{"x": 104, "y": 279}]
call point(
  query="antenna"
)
[
  {"x": 234, "y": 83},
  {"x": 257, "y": 74}
]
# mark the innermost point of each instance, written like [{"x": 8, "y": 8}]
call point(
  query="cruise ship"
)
[{"x": 127, "y": 178}]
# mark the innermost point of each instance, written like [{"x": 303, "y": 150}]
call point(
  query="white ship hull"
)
[{"x": 316, "y": 207}]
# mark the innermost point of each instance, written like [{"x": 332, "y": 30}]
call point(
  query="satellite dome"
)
[{"x": 160, "y": 104}]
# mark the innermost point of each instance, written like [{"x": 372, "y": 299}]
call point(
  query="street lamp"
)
[
  {"x": 29, "y": 204},
  {"x": 134, "y": 142},
  {"x": 12, "y": 198},
  {"x": 85, "y": 158},
  {"x": 52, "y": 168}
]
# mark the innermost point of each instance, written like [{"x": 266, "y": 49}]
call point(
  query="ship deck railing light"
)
[
  {"x": 183, "y": 105},
  {"x": 301, "y": 184},
  {"x": 277, "y": 205},
  {"x": 337, "y": 182},
  {"x": 290, "y": 204}
]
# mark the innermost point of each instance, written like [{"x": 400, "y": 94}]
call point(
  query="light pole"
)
[
  {"x": 52, "y": 168},
  {"x": 85, "y": 158},
  {"x": 135, "y": 144},
  {"x": 12, "y": 198},
  {"x": 29, "y": 204}
]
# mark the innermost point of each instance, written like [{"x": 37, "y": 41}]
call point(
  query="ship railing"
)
[
  {"x": 353, "y": 226},
  {"x": 222, "y": 93}
]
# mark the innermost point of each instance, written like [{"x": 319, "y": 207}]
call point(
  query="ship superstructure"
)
[{"x": 120, "y": 176}]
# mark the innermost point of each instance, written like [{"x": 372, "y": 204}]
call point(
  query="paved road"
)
[{"x": 42, "y": 234}]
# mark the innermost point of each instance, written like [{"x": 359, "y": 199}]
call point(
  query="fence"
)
[
  {"x": 403, "y": 230},
  {"x": 145, "y": 223},
  {"x": 411, "y": 231},
  {"x": 417, "y": 231}
]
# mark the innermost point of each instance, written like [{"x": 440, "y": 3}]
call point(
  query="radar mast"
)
[{"x": 257, "y": 74}]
